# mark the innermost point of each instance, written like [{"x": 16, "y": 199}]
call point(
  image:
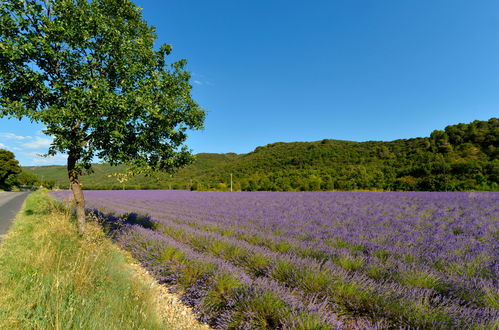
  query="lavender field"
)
[{"x": 317, "y": 260}]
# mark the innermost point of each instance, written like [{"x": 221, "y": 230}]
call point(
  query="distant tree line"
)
[
  {"x": 461, "y": 157},
  {"x": 13, "y": 177}
]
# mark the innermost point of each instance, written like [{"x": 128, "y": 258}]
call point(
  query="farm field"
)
[{"x": 316, "y": 260}]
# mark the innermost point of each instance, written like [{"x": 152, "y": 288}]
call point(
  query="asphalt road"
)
[{"x": 10, "y": 203}]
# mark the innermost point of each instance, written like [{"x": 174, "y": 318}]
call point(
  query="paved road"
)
[{"x": 10, "y": 203}]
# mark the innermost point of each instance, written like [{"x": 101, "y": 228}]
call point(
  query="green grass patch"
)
[{"x": 53, "y": 278}]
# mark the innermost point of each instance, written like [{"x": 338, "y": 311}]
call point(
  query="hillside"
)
[
  {"x": 103, "y": 175},
  {"x": 461, "y": 157}
]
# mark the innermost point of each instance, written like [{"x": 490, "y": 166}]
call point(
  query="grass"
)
[{"x": 53, "y": 278}]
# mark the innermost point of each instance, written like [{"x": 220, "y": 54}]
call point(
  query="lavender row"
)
[
  {"x": 444, "y": 236},
  {"x": 474, "y": 289},
  {"x": 285, "y": 270},
  {"x": 445, "y": 242},
  {"x": 473, "y": 263},
  {"x": 357, "y": 293},
  {"x": 219, "y": 291},
  {"x": 381, "y": 265}
]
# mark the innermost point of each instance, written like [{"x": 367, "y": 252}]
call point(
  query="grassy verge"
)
[{"x": 50, "y": 277}]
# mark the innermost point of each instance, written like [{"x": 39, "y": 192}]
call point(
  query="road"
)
[{"x": 10, "y": 203}]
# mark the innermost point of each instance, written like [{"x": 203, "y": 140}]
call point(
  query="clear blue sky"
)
[{"x": 269, "y": 70}]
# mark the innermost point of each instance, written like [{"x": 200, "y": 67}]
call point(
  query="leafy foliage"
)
[
  {"x": 9, "y": 167},
  {"x": 461, "y": 157},
  {"x": 89, "y": 72},
  {"x": 27, "y": 180}
]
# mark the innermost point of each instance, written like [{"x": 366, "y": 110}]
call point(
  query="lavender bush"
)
[{"x": 317, "y": 259}]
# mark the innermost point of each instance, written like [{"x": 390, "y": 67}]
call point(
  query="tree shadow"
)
[{"x": 112, "y": 223}]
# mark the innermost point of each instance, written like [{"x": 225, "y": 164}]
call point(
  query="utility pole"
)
[
  {"x": 445, "y": 172},
  {"x": 231, "y": 182}
]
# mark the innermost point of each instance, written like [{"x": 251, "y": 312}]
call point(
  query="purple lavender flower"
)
[{"x": 378, "y": 259}]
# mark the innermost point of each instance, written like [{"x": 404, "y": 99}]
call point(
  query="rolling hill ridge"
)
[{"x": 460, "y": 157}]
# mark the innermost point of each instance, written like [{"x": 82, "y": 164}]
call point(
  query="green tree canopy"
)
[
  {"x": 8, "y": 166},
  {"x": 27, "y": 179},
  {"x": 89, "y": 71}
]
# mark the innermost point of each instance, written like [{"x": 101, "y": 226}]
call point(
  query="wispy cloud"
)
[
  {"x": 200, "y": 79},
  {"x": 6, "y": 147},
  {"x": 25, "y": 142},
  {"x": 30, "y": 149},
  {"x": 12, "y": 136},
  {"x": 39, "y": 159},
  {"x": 37, "y": 143}
]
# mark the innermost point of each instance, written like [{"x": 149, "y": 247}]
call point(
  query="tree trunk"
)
[{"x": 77, "y": 191}]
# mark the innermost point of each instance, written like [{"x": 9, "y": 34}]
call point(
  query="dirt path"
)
[{"x": 10, "y": 203}]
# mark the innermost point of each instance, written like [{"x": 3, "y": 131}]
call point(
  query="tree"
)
[
  {"x": 8, "y": 166},
  {"x": 122, "y": 177},
  {"x": 27, "y": 179},
  {"x": 89, "y": 71}
]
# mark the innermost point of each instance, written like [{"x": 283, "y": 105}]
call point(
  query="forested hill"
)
[{"x": 461, "y": 157}]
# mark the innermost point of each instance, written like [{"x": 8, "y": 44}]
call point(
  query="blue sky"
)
[{"x": 285, "y": 70}]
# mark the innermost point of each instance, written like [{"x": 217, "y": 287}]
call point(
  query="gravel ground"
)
[{"x": 170, "y": 307}]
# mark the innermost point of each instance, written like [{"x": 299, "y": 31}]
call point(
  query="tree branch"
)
[{"x": 75, "y": 126}]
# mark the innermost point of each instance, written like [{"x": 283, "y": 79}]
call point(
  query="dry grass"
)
[{"x": 52, "y": 278}]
